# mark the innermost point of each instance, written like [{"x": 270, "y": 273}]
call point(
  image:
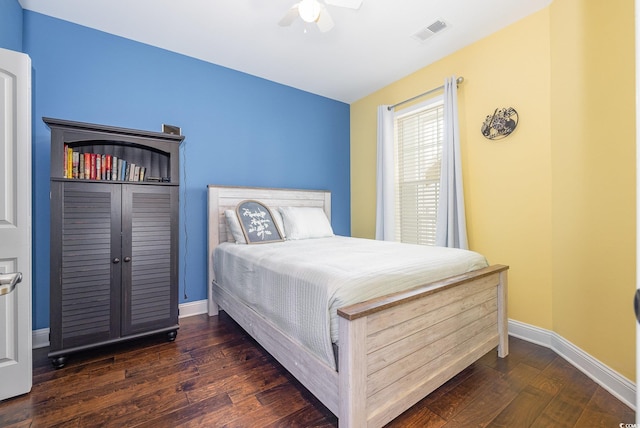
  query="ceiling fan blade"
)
[
  {"x": 351, "y": 4},
  {"x": 325, "y": 22},
  {"x": 290, "y": 16}
]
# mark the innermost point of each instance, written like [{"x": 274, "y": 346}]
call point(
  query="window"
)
[{"x": 418, "y": 143}]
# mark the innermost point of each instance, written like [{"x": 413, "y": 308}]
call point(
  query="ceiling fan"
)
[{"x": 315, "y": 11}]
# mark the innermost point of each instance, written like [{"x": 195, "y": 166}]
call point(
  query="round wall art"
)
[{"x": 500, "y": 124}]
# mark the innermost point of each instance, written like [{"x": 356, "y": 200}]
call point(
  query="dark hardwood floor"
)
[{"x": 214, "y": 375}]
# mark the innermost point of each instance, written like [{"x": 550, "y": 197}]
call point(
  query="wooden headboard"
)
[{"x": 221, "y": 198}]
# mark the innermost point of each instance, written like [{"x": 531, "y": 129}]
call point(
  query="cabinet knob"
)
[
  {"x": 127, "y": 259},
  {"x": 116, "y": 261}
]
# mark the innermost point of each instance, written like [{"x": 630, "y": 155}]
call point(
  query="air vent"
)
[{"x": 430, "y": 30}]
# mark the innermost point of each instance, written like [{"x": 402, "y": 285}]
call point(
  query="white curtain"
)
[
  {"x": 451, "y": 229},
  {"x": 385, "y": 176}
]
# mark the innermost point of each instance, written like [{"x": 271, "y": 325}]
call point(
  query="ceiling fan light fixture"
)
[
  {"x": 314, "y": 11},
  {"x": 309, "y": 10}
]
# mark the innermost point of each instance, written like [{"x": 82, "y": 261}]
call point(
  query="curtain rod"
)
[{"x": 459, "y": 80}]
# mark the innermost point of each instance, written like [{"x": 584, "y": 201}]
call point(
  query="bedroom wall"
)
[
  {"x": 556, "y": 200},
  {"x": 11, "y": 25},
  {"x": 240, "y": 130},
  {"x": 593, "y": 157}
]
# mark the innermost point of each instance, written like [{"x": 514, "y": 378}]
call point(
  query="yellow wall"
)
[
  {"x": 533, "y": 202},
  {"x": 593, "y": 163}
]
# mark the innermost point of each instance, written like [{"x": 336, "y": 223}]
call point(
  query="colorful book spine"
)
[
  {"x": 114, "y": 168},
  {"x": 98, "y": 167},
  {"x": 107, "y": 168},
  {"x": 69, "y": 162},
  {"x": 81, "y": 166},
  {"x": 64, "y": 162},
  {"x": 93, "y": 166},
  {"x": 87, "y": 166},
  {"x": 130, "y": 172},
  {"x": 75, "y": 163}
]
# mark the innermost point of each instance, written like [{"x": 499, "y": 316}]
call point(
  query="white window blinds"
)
[{"x": 419, "y": 139}]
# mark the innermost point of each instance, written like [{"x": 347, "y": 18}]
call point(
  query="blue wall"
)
[
  {"x": 11, "y": 25},
  {"x": 239, "y": 130}
]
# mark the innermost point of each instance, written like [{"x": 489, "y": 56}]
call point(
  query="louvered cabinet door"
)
[
  {"x": 85, "y": 241},
  {"x": 150, "y": 254}
]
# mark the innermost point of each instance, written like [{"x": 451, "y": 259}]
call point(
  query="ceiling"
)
[{"x": 366, "y": 50}]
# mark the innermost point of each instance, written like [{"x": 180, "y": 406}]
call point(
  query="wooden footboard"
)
[{"x": 397, "y": 349}]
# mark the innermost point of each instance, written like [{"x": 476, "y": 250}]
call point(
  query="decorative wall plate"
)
[{"x": 500, "y": 124}]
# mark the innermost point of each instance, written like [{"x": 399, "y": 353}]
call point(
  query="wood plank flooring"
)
[{"x": 214, "y": 375}]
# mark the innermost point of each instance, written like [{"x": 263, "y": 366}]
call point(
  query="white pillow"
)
[
  {"x": 277, "y": 217},
  {"x": 233, "y": 225},
  {"x": 305, "y": 222}
]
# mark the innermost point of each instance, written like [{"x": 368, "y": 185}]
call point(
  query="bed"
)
[{"x": 393, "y": 349}]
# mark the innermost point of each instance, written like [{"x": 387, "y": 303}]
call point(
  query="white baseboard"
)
[
  {"x": 40, "y": 338},
  {"x": 621, "y": 387},
  {"x": 192, "y": 308}
]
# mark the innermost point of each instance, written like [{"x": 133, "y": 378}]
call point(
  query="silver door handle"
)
[{"x": 8, "y": 282}]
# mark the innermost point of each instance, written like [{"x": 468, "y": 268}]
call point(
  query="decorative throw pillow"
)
[
  {"x": 305, "y": 222},
  {"x": 233, "y": 226}
]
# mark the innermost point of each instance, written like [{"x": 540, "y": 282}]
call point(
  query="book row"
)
[{"x": 96, "y": 166}]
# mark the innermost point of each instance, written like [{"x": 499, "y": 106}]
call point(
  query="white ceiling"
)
[{"x": 366, "y": 50}]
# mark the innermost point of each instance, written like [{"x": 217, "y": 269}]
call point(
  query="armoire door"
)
[
  {"x": 85, "y": 264},
  {"x": 150, "y": 258}
]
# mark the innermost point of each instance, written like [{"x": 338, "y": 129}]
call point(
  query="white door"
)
[{"x": 15, "y": 223}]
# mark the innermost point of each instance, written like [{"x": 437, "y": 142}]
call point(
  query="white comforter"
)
[{"x": 299, "y": 285}]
